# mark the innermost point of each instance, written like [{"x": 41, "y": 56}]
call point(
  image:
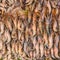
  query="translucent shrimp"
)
[
  {"x": 51, "y": 44},
  {"x": 34, "y": 41},
  {"x": 28, "y": 2},
  {"x": 17, "y": 47},
  {"x": 13, "y": 47},
  {"x": 37, "y": 49},
  {"x": 55, "y": 26},
  {"x": 9, "y": 25},
  {"x": 7, "y": 36},
  {"x": 15, "y": 23},
  {"x": 19, "y": 35},
  {"x": 56, "y": 46},
  {"x": 51, "y": 40},
  {"x": 41, "y": 50},
  {"x": 49, "y": 6},
  {"x": 1, "y": 28},
  {"x": 25, "y": 48},
  {"x": 26, "y": 32},
  {"x": 1, "y": 45},
  {"x": 19, "y": 25},
  {"x": 45, "y": 37},
  {"x": 34, "y": 25},
  {"x": 40, "y": 25}
]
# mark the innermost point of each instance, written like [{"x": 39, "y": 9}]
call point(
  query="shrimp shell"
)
[
  {"x": 41, "y": 50},
  {"x": 1, "y": 45},
  {"x": 55, "y": 26},
  {"x": 7, "y": 36},
  {"x": 1, "y": 27},
  {"x": 51, "y": 40},
  {"x": 37, "y": 49},
  {"x": 49, "y": 6},
  {"x": 28, "y": 2}
]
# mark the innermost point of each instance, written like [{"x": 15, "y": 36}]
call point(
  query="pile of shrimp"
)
[{"x": 29, "y": 29}]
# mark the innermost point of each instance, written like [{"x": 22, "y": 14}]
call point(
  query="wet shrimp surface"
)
[{"x": 29, "y": 29}]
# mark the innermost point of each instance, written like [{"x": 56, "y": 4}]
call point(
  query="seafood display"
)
[{"x": 29, "y": 29}]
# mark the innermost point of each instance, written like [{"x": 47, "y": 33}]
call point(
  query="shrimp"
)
[
  {"x": 40, "y": 26},
  {"x": 51, "y": 40},
  {"x": 45, "y": 37},
  {"x": 52, "y": 53},
  {"x": 16, "y": 47},
  {"x": 7, "y": 36},
  {"x": 34, "y": 54},
  {"x": 49, "y": 6},
  {"x": 55, "y": 26},
  {"x": 41, "y": 50},
  {"x": 9, "y": 26},
  {"x": 34, "y": 41},
  {"x": 37, "y": 49},
  {"x": 1, "y": 45},
  {"x": 19, "y": 25},
  {"x": 26, "y": 33},
  {"x": 19, "y": 35},
  {"x": 29, "y": 2},
  {"x": 9, "y": 49},
  {"x": 4, "y": 52},
  {"x": 20, "y": 50},
  {"x": 56, "y": 46},
  {"x": 22, "y": 39},
  {"x": 29, "y": 17},
  {"x": 31, "y": 54},
  {"x": 15, "y": 23},
  {"x": 25, "y": 48},
  {"x": 13, "y": 47},
  {"x": 51, "y": 44},
  {"x": 1, "y": 28},
  {"x": 48, "y": 24},
  {"x": 56, "y": 52},
  {"x": 34, "y": 24}
]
